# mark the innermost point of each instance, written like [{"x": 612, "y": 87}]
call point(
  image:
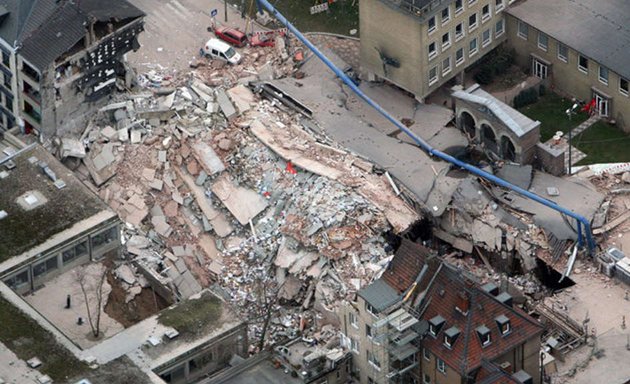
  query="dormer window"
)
[
  {"x": 484, "y": 335},
  {"x": 450, "y": 336},
  {"x": 435, "y": 324},
  {"x": 504, "y": 325}
]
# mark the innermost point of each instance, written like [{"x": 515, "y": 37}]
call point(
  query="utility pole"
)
[
  {"x": 225, "y": 9},
  {"x": 570, "y": 113}
]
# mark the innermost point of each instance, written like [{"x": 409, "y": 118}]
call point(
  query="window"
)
[
  {"x": 433, "y": 77},
  {"x": 498, "y": 5},
  {"x": 504, "y": 324},
  {"x": 523, "y": 30},
  {"x": 17, "y": 280},
  {"x": 426, "y": 354},
  {"x": 459, "y": 31},
  {"x": 435, "y": 324},
  {"x": 432, "y": 26},
  {"x": 485, "y": 13},
  {"x": 446, "y": 65},
  {"x": 373, "y": 360},
  {"x": 105, "y": 237},
  {"x": 74, "y": 252},
  {"x": 446, "y": 15},
  {"x": 459, "y": 56},
  {"x": 45, "y": 266},
  {"x": 446, "y": 40},
  {"x": 432, "y": 50},
  {"x": 6, "y": 59},
  {"x": 543, "y": 41},
  {"x": 450, "y": 336},
  {"x": 354, "y": 345},
  {"x": 370, "y": 309},
  {"x": 441, "y": 366},
  {"x": 603, "y": 74},
  {"x": 583, "y": 64},
  {"x": 368, "y": 331},
  {"x": 485, "y": 36},
  {"x": 472, "y": 21},
  {"x": 563, "y": 53},
  {"x": 484, "y": 335},
  {"x": 459, "y": 6},
  {"x": 472, "y": 49},
  {"x": 499, "y": 28},
  {"x": 623, "y": 86},
  {"x": 352, "y": 318},
  {"x": 426, "y": 379},
  {"x": 471, "y": 2}
]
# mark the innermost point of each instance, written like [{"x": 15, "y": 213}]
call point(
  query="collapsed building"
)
[{"x": 61, "y": 57}]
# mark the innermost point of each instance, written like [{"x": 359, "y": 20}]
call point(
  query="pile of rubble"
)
[{"x": 220, "y": 188}]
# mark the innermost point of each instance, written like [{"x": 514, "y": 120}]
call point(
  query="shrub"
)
[
  {"x": 485, "y": 75},
  {"x": 526, "y": 97}
]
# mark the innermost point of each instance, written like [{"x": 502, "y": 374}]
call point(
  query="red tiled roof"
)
[
  {"x": 467, "y": 353},
  {"x": 407, "y": 263}
]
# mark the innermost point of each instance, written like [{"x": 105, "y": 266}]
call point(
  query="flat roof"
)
[
  {"x": 379, "y": 295},
  {"x": 263, "y": 372},
  {"x": 598, "y": 29},
  {"x": 22, "y": 230}
]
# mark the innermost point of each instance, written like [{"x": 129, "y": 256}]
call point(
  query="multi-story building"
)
[
  {"x": 60, "y": 57},
  {"x": 49, "y": 221},
  {"x": 580, "y": 47},
  {"x": 469, "y": 325},
  {"x": 419, "y": 45},
  {"x": 425, "y": 321}
]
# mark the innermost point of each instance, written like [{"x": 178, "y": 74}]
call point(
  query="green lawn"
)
[
  {"x": 603, "y": 143},
  {"x": 27, "y": 339},
  {"x": 193, "y": 317},
  {"x": 550, "y": 111},
  {"x": 341, "y": 17}
]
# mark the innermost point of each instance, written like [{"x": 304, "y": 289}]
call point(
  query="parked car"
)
[
  {"x": 231, "y": 35},
  {"x": 217, "y": 49}
]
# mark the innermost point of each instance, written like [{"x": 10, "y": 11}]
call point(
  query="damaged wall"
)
[{"x": 72, "y": 89}]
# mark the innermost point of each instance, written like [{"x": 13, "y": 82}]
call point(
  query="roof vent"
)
[
  {"x": 47, "y": 171},
  {"x": 3, "y": 214},
  {"x": 505, "y": 298},
  {"x": 4, "y": 175},
  {"x": 10, "y": 164},
  {"x": 490, "y": 288},
  {"x": 523, "y": 377},
  {"x": 30, "y": 199}
]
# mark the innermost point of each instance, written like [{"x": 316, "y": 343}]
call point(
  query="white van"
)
[{"x": 217, "y": 49}]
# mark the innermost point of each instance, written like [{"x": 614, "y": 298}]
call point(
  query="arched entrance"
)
[
  {"x": 467, "y": 123},
  {"x": 488, "y": 138},
  {"x": 508, "y": 151}
]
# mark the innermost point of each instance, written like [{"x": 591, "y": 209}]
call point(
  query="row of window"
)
[
  {"x": 473, "y": 48},
  {"x": 445, "y": 14},
  {"x": 67, "y": 256},
  {"x": 499, "y": 29},
  {"x": 563, "y": 55}
]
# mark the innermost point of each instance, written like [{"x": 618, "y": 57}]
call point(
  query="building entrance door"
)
[
  {"x": 539, "y": 69},
  {"x": 601, "y": 104}
]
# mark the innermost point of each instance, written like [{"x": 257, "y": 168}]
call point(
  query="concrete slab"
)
[
  {"x": 574, "y": 194},
  {"x": 520, "y": 175},
  {"x": 208, "y": 158},
  {"x": 13, "y": 370},
  {"x": 228, "y": 109},
  {"x": 242, "y": 97},
  {"x": 243, "y": 203}
]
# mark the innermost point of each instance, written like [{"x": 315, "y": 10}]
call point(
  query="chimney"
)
[{"x": 463, "y": 302}]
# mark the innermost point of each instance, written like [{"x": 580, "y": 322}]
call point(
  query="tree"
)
[{"x": 92, "y": 288}]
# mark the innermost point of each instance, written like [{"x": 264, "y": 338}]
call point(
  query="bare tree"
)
[{"x": 93, "y": 287}]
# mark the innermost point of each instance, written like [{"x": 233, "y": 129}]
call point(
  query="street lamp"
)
[{"x": 570, "y": 112}]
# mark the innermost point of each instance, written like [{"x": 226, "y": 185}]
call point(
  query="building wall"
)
[
  {"x": 429, "y": 367},
  {"x": 205, "y": 359},
  {"x": 565, "y": 77},
  {"x": 8, "y": 86},
  {"x": 93, "y": 244},
  {"x": 407, "y": 39},
  {"x": 364, "y": 370},
  {"x": 525, "y": 146}
]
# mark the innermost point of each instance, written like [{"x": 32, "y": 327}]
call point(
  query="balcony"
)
[
  {"x": 32, "y": 94},
  {"x": 402, "y": 320},
  {"x": 401, "y": 338}
]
